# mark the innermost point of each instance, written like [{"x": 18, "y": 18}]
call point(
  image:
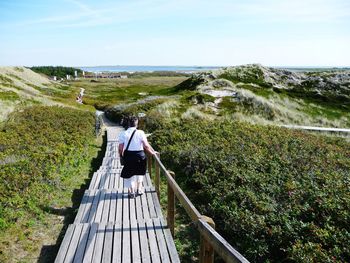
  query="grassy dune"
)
[{"x": 172, "y": 104}]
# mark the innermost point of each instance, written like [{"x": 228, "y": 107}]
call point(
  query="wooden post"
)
[
  {"x": 149, "y": 164},
  {"x": 171, "y": 207},
  {"x": 157, "y": 178},
  {"x": 206, "y": 253}
]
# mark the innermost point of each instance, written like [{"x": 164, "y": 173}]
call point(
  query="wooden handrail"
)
[
  {"x": 320, "y": 129},
  {"x": 186, "y": 203},
  {"x": 220, "y": 245},
  {"x": 210, "y": 239}
]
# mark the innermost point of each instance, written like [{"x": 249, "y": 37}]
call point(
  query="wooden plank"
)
[
  {"x": 135, "y": 241},
  {"x": 139, "y": 214},
  {"x": 86, "y": 214},
  {"x": 121, "y": 182},
  {"x": 113, "y": 206},
  {"x": 161, "y": 241},
  {"x": 152, "y": 242},
  {"x": 111, "y": 181},
  {"x": 102, "y": 180},
  {"x": 65, "y": 244},
  {"x": 149, "y": 193},
  {"x": 91, "y": 243},
  {"x": 74, "y": 243},
  {"x": 93, "y": 180},
  {"x": 108, "y": 243},
  {"x": 145, "y": 253},
  {"x": 106, "y": 205},
  {"x": 170, "y": 243},
  {"x": 116, "y": 180},
  {"x": 97, "y": 256},
  {"x": 100, "y": 206},
  {"x": 82, "y": 206},
  {"x": 119, "y": 213},
  {"x": 92, "y": 212},
  {"x": 156, "y": 204},
  {"x": 132, "y": 209},
  {"x": 126, "y": 254},
  {"x": 117, "y": 243},
  {"x": 125, "y": 206},
  {"x": 106, "y": 181},
  {"x": 82, "y": 244},
  {"x": 144, "y": 206}
]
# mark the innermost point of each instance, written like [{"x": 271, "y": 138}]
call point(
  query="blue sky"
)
[{"x": 181, "y": 32}]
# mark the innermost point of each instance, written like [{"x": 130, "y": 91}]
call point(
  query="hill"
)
[
  {"x": 255, "y": 92},
  {"x": 21, "y": 87}
]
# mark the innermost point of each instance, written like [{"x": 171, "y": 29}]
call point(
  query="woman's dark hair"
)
[{"x": 133, "y": 121}]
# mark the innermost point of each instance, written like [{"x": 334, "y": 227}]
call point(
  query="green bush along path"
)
[
  {"x": 45, "y": 154},
  {"x": 275, "y": 194}
]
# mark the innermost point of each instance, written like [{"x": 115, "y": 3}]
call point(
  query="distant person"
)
[
  {"x": 79, "y": 98},
  {"x": 132, "y": 146}
]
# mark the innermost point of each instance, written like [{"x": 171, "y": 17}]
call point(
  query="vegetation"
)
[
  {"x": 275, "y": 194},
  {"x": 246, "y": 74},
  {"x": 42, "y": 150},
  {"x": 60, "y": 72},
  {"x": 8, "y": 95},
  {"x": 109, "y": 92}
]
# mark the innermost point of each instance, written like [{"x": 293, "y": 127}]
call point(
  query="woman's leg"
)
[
  {"x": 140, "y": 189},
  {"x": 130, "y": 184}
]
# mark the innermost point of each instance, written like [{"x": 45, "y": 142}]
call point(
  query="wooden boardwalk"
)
[{"x": 111, "y": 227}]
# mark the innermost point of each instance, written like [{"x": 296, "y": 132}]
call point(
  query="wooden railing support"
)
[
  {"x": 171, "y": 207},
  {"x": 157, "y": 176},
  {"x": 206, "y": 253}
]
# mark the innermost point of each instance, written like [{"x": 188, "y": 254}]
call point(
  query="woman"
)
[{"x": 132, "y": 146}]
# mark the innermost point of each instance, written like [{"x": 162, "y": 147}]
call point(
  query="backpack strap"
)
[{"x": 132, "y": 135}]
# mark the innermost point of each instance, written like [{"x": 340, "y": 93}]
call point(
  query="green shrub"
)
[
  {"x": 190, "y": 83},
  {"x": 275, "y": 194},
  {"x": 37, "y": 146},
  {"x": 197, "y": 97}
]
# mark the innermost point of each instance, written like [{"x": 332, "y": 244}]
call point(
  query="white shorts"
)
[{"x": 131, "y": 182}]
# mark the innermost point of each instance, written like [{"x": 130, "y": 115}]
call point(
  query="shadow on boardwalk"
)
[{"x": 48, "y": 253}]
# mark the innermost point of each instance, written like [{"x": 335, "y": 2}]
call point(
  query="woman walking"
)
[{"x": 132, "y": 146}]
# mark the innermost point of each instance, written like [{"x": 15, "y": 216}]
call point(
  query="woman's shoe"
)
[
  {"x": 140, "y": 191},
  {"x": 131, "y": 195}
]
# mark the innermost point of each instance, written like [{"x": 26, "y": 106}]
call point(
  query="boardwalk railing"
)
[
  {"x": 319, "y": 129},
  {"x": 210, "y": 240}
]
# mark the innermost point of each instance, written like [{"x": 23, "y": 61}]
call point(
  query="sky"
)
[{"x": 175, "y": 32}]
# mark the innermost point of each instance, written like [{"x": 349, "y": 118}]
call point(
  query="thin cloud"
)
[{"x": 114, "y": 13}]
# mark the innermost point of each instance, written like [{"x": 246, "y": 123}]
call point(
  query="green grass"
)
[
  {"x": 8, "y": 96},
  {"x": 107, "y": 92},
  {"x": 263, "y": 92},
  {"x": 5, "y": 80}
]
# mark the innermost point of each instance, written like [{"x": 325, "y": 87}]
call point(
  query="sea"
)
[{"x": 186, "y": 69}]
